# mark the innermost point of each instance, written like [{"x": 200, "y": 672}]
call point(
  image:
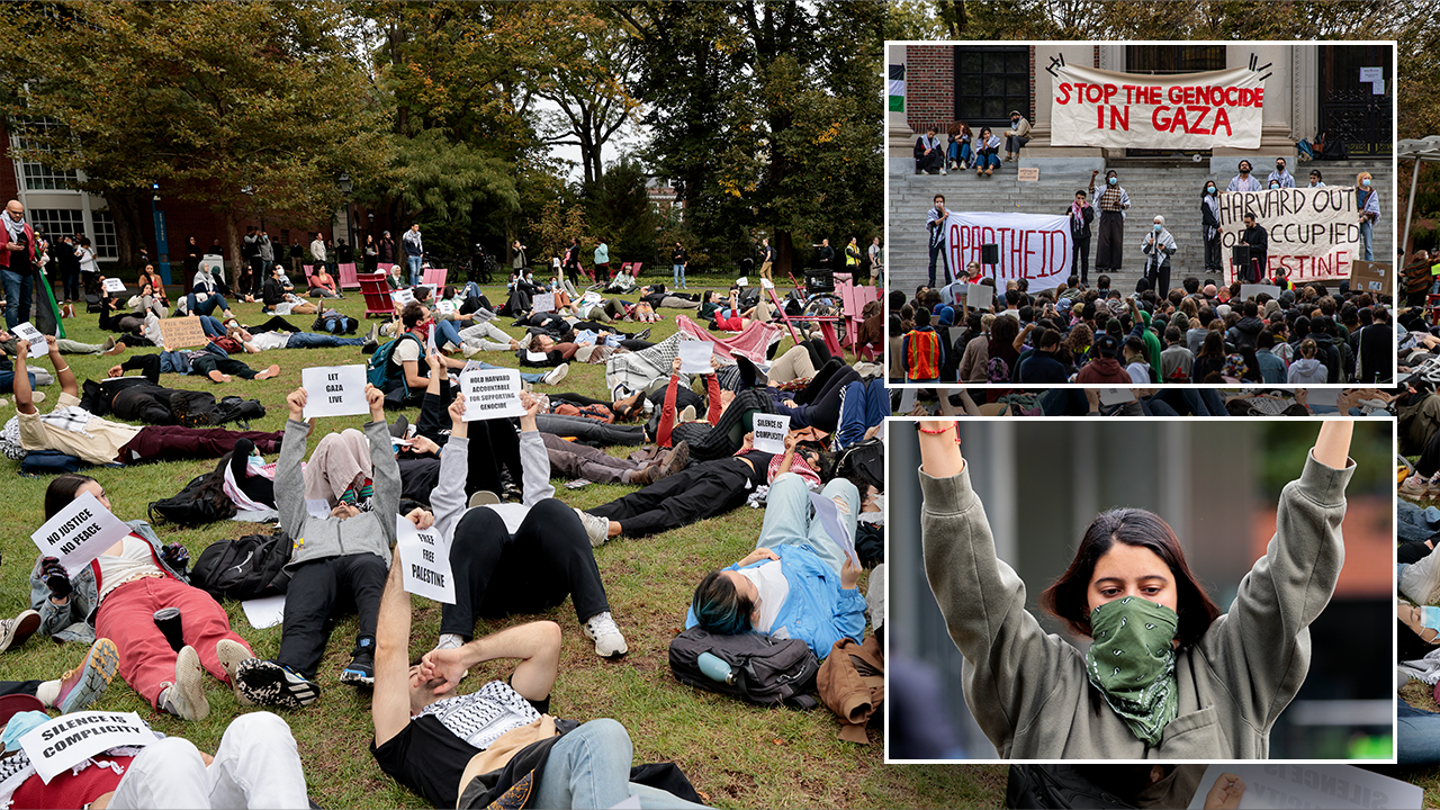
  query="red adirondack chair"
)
[{"x": 377, "y": 295}]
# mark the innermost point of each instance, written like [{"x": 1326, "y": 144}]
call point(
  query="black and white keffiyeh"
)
[{"x": 480, "y": 717}]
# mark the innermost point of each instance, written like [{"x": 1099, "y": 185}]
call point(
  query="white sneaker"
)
[
  {"x": 471, "y": 349},
  {"x": 450, "y": 641},
  {"x": 37, "y": 397},
  {"x": 185, "y": 697},
  {"x": 556, "y": 374},
  {"x": 13, "y": 632},
  {"x": 596, "y": 528},
  {"x": 608, "y": 641},
  {"x": 231, "y": 653}
]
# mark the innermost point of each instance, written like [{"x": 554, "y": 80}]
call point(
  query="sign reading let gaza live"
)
[{"x": 1182, "y": 111}]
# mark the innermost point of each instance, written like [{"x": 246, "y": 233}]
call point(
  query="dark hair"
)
[
  {"x": 62, "y": 491},
  {"x": 1172, "y": 334},
  {"x": 1214, "y": 345},
  {"x": 719, "y": 607},
  {"x": 1068, "y": 597},
  {"x": 1049, "y": 338},
  {"x": 411, "y": 315}
]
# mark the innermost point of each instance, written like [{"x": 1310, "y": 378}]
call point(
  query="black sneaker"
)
[
  {"x": 361, "y": 671},
  {"x": 267, "y": 683},
  {"x": 643, "y": 334}
]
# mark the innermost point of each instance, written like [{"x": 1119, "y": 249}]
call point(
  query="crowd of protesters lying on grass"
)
[{"x": 517, "y": 547}]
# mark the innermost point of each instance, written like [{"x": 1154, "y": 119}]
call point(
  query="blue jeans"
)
[
  {"x": 414, "y": 263},
  {"x": 787, "y": 517},
  {"x": 312, "y": 340},
  {"x": 19, "y": 290},
  {"x": 679, "y": 275},
  {"x": 7, "y": 380},
  {"x": 590, "y": 767},
  {"x": 527, "y": 376},
  {"x": 1197, "y": 401},
  {"x": 1414, "y": 523},
  {"x": 446, "y": 332},
  {"x": 212, "y": 326},
  {"x": 211, "y": 303},
  {"x": 865, "y": 406},
  {"x": 1367, "y": 235},
  {"x": 988, "y": 160},
  {"x": 1417, "y": 735}
]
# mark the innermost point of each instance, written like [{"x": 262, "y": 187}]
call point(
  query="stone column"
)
[
  {"x": 1278, "y": 124},
  {"x": 898, "y": 137},
  {"x": 1051, "y": 160}
]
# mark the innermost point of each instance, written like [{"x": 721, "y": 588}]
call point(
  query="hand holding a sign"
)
[
  {"x": 1226, "y": 793},
  {"x": 849, "y": 575},
  {"x": 459, "y": 428},
  {"x": 376, "y": 400},
  {"x": 57, "y": 579},
  {"x": 296, "y": 403}
]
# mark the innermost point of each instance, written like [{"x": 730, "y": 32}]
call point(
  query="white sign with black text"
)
[
  {"x": 334, "y": 391},
  {"x": 1282, "y": 785},
  {"x": 27, "y": 331},
  {"x": 491, "y": 394},
  {"x": 79, "y": 532},
  {"x": 544, "y": 302},
  {"x": 770, "y": 432},
  {"x": 114, "y": 285},
  {"x": 426, "y": 558},
  {"x": 68, "y": 740}
]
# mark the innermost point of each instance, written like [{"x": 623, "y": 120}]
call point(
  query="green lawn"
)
[{"x": 736, "y": 754}]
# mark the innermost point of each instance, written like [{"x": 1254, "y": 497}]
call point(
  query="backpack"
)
[
  {"x": 379, "y": 368},
  {"x": 237, "y": 410},
  {"x": 864, "y": 460},
  {"x": 596, "y": 411},
  {"x": 49, "y": 462},
  {"x": 1056, "y": 785},
  {"x": 997, "y": 370},
  {"x": 202, "y": 501},
  {"x": 247, "y": 567},
  {"x": 764, "y": 670},
  {"x": 193, "y": 408}
]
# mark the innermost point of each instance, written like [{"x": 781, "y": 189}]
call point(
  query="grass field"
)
[
  {"x": 1422, "y": 697},
  {"x": 737, "y": 755}
]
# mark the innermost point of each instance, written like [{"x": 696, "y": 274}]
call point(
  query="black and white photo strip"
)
[
  {"x": 1161, "y": 612},
  {"x": 1147, "y": 214}
]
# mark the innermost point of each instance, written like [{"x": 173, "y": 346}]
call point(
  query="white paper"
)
[
  {"x": 284, "y": 309},
  {"x": 908, "y": 397},
  {"x": 695, "y": 357},
  {"x": 1377, "y": 88},
  {"x": 1276, "y": 785},
  {"x": 631, "y": 802},
  {"x": 828, "y": 513},
  {"x": 317, "y": 507},
  {"x": 1252, "y": 290},
  {"x": 114, "y": 285},
  {"x": 766, "y": 284},
  {"x": 430, "y": 340},
  {"x": 334, "y": 391},
  {"x": 426, "y": 558},
  {"x": 1116, "y": 396},
  {"x": 70, "y": 739},
  {"x": 1322, "y": 396},
  {"x": 544, "y": 302},
  {"x": 445, "y": 307},
  {"x": 770, "y": 432},
  {"x": 743, "y": 281},
  {"x": 267, "y": 611},
  {"x": 27, "y": 331},
  {"x": 79, "y": 532},
  {"x": 491, "y": 394},
  {"x": 1372, "y": 74},
  {"x": 402, "y": 297}
]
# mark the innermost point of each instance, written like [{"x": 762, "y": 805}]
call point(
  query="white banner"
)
[
  {"x": 491, "y": 394},
  {"x": 1314, "y": 233},
  {"x": 426, "y": 558},
  {"x": 1033, "y": 246},
  {"x": 70, "y": 739},
  {"x": 1137, "y": 111}
]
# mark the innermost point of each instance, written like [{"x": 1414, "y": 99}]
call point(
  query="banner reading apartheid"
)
[
  {"x": 1314, "y": 233},
  {"x": 1032, "y": 246},
  {"x": 1137, "y": 111}
]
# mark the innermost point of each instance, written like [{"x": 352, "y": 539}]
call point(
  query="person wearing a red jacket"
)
[{"x": 1103, "y": 367}]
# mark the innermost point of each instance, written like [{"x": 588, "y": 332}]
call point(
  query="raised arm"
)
[
  {"x": 390, "y": 703},
  {"x": 534, "y": 458},
  {"x": 384, "y": 471},
  {"x": 289, "y": 480},
  {"x": 1261, "y": 648}
]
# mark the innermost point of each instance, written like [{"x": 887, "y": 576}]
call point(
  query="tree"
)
[
  {"x": 205, "y": 99},
  {"x": 618, "y": 208}
]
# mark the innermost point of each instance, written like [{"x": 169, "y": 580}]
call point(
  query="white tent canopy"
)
[{"x": 1417, "y": 149}]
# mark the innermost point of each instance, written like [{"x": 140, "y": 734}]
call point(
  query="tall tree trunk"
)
[
  {"x": 784, "y": 253},
  {"x": 129, "y": 217},
  {"x": 232, "y": 247}
]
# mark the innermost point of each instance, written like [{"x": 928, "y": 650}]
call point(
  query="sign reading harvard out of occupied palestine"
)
[
  {"x": 1181, "y": 111},
  {"x": 770, "y": 432},
  {"x": 1313, "y": 233},
  {"x": 68, "y": 740},
  {"x": 79, "y": 532},
  {"x": 27, "y": 331},
  {"x": 334, "y": 391},
  {"x": 491, "y": 394},
  {"x": 426, "y": 558}
]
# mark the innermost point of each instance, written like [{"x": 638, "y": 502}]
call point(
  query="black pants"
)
[
  {"x": 1429, "y": 462},
  {"x": 1080, "y": 258},
  {"x": 823, "y": 411},
  {"x": 321, "y": 590},
  {"x": 497, "y": 574},
  {"x": 494, "y": 445},
  {"x": 590, "y": 430},
  {"x": 695, "y": 493},
  {"x": 1158, "y": 275},
  {"x": 707, "y": 442},
  {"x": 938, "y": 251},
  {"x": 143, "y": 403},
  {"x": 275, "y": 324},
  {"x": 206, "y": 362},
  {"x": 19, "y": 687},
  {"x": 1110, "y": 252},
  {"x": 1212, "y": 255}
]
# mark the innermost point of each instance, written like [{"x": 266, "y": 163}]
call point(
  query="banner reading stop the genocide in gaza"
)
[
  {"x": 1032, "y": 246},
  {"x": 1314, "y": 233},
  {"x": 1181, "y": 111}
]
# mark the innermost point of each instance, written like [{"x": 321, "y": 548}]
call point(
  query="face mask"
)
[
  {"x": 1209, "y": 189},
  {"x": 1312, "y": 184},
  {"x": 1015, "y": 121},
  {"x": 1274, "y": 185},
  {"x": 1365, "y": 182},
  {"x": 1132, "y": 662},
  {"x": 1112, "y": 180},
  {"x": 255, "y": 461},
  {"x": 1280, "y": 167},
  {"x": 1430, "y": 617},
  {"x": 1158, "y": 226}
]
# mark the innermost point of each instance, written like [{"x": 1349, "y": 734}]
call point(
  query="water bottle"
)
[{"x": 716, "y": 669}]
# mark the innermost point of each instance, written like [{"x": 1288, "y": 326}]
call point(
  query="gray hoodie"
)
[
  {"x": 1028, "y": 689},
  {"x": 315, "y": 538},
  {"x": 448, "y": 498}
]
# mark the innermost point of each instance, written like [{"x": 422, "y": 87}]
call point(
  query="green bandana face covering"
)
[{"x": 1132, "y": 662}]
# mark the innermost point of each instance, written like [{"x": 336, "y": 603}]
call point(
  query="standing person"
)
[
  {"x": 332, "y": 257},
  {"x": 68, "y": 261},
  {"x": 1113, "y": 201},
  {"x": 297, "y": 258},
  {"x": 572, "y": 261},
  {"x": 602, "y": 262},
  {"x": 1368, "y": 203},
  {"x": 520, "y": 263},
  {"x": 387, "y": 249},
  {"x": 1259, "y": 243},
  {"x": 192, "y": 258},
  {"x": 370, "y": 253},
  {"x": 929, "y": 155},
  {"x": 767, "y": 259},
  {"x": 1280, "y": 175},
  {"x": 339, "y": 560},
  {"x": 826, "y": 256},
  {"x": 1158, "y": 247},
  {"x": 414, "y": 252},
  {"x": 1210, "y": 226},
  {"x": 874, "y": 253},
  {"x": 923, "y": 350},
  {"x": 265, "y": 248},
  {"x": 1016, "y": 136},
  {"x": 89, "y": 270},
  {"x": 317, "y": 250},
  {"x": 1243, "y": 181},
  {"x": 1081, "y": 215},
  {"x": 18, "y": 262},
  {"x": 852, "y": 259},
  {"x": 679, "y": 259},
  {"x": 935, "y": 223}
]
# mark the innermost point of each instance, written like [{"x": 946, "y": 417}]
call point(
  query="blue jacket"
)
[{"x": 817, "y": 610}]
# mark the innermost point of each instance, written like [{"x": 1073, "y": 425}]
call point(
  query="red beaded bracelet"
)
[{"x": 935, "y": 432}]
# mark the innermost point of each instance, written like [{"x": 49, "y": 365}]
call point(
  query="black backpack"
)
[
  {"x": 202, "y": 501},
  {"x": 330, "y": 321},
  {"x": 764, "y": 669},
  {"x": 865, "y": 461},
  {"x": 237, "y": 410},
  {"x": 1057, "y": 786},
  {"x": 247, "y": 567}
]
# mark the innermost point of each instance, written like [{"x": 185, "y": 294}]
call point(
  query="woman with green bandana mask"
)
[{"x": 1166, "y": 676}]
